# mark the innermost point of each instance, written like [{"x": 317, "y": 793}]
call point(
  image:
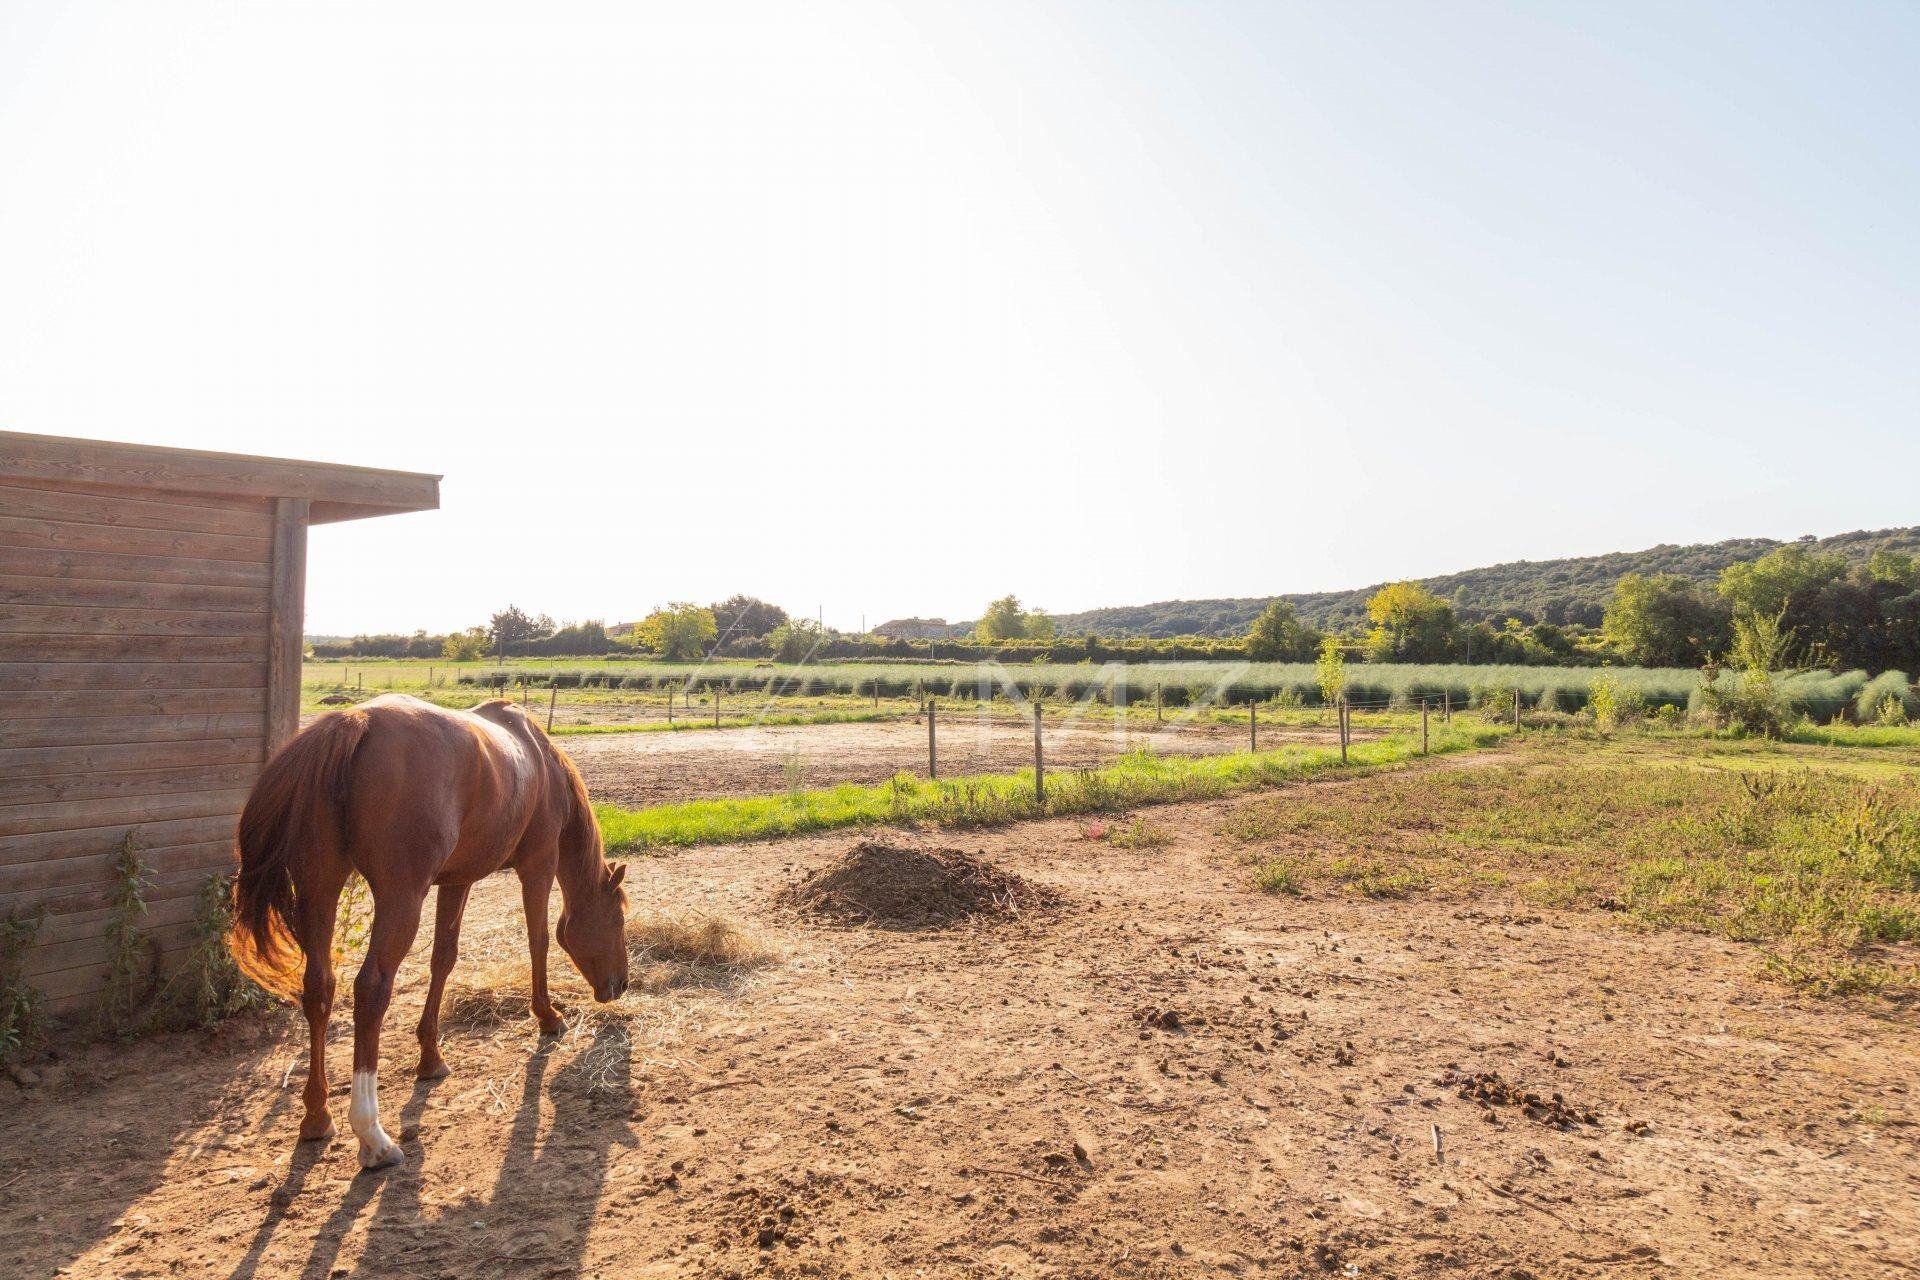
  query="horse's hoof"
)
[
  {"x": 433, "y": 1071},
  {"x": 554, "y": 1029},
  {"x": 316, "y": 1131},
  {"x": 388, "y": 1157}
]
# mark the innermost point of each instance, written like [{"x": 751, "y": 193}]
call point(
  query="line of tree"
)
[{"x": 1830, "y": 611}]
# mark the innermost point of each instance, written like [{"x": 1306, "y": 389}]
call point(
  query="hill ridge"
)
[{"x": 1570, "y": 589}]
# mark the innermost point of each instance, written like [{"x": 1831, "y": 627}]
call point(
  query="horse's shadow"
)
[{"x": 544, "y": 1198}]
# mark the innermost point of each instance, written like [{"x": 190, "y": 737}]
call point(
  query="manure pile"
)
[{"x": 893, "y": 887}]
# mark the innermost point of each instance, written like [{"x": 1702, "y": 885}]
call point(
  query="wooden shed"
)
[{"x": 151, "y": 607}]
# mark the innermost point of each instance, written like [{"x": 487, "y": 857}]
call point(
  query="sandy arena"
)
[{"x": 1158, "y": 1072}]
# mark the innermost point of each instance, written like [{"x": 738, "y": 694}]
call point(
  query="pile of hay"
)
[
  {"x": 891, "y": 887},
  {"x": 665, "y": 952}
]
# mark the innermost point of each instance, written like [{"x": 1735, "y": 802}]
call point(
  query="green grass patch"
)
[
  {"x": 993, "y": 799},
  {"x": 1818, "y": 867}
]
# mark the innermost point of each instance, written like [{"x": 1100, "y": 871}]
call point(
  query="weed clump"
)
[{"x": 20, "y": 1004}]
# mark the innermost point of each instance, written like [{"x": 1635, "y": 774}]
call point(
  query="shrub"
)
[
  {"x": 1612, "y": 704},
  {"x": 1496, "y": 705},
  {"x": 1886, "y": 699}
]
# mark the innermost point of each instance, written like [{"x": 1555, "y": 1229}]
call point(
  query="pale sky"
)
[{"x": 891, "y": 308}]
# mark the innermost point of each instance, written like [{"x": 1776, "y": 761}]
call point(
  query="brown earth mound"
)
[{"x": 904, "y": 888}]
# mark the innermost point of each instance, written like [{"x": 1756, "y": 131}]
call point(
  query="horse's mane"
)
[{"x": 580, "y": 836}]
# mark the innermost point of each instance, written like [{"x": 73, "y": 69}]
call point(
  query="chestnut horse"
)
[{"x": 412, "y": 795}]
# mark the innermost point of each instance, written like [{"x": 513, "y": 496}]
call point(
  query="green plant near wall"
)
[
  {"x": 129, "y": 978},
  {"x": 209, "y": 985},
  {"x": 20, "y": 1004}
]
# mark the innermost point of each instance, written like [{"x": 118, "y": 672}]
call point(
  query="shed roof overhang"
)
[{"x": 335, "y": 492}]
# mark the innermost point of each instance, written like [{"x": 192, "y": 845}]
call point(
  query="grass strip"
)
[{"x": 994, "y": 799}]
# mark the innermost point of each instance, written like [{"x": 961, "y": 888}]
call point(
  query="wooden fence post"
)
[
  {"x": 716, "y": 706},
  {"x": 1157, "y": 718},
  {"x": 1516, "y": 708},
  {"x": 553, "y": 700},
  {"x": 933, "y": 753},
  {"x": 1446, "y": 706},
  {"x": 1039, "y": 760},
  {"x": 1253, "y": 726},
  {"x": 1345, "y": 724},
  {"x": 1423, "y": 726}
]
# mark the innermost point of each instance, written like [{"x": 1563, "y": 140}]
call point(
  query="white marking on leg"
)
[{"x": 376, "y": 1148}]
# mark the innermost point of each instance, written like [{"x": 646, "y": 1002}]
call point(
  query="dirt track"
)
[
  {"x": 888, "y": 1104},
  {"x": 638, "y": 769}
]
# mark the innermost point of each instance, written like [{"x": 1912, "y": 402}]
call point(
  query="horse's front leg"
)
[
  {"x": 535, "y": 890},
  {"x": 446, "y": 950},
  {"x": 396, "y": 917}
]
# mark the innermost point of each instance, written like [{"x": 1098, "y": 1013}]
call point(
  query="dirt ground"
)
[
  {"x": 639, "y": 769},
  {"x": 1167, "y": 1074}
]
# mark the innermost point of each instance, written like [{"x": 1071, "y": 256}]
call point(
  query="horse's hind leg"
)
[
  {"x": 446, "y": 950},
  {"x": 320, "y": 904},
  {"x": 396, "y": 917}
]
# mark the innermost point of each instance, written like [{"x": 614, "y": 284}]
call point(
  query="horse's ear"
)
[{"x": 619, "y": 873}]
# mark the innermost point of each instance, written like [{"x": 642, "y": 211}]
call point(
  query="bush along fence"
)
[{"x": 1820, "y": 695}]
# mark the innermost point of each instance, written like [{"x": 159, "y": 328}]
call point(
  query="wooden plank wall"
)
[{"x": 134, "y": 670}]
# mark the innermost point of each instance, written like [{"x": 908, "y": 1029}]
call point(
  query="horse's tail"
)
[{"x": 298, "y": 804}]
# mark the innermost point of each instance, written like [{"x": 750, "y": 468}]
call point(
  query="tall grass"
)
[{"x": 992, "y": 799}]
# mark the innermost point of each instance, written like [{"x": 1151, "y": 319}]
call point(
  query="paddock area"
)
[
  {"x": 640, "y": 769},
  {"x": 1164, "y": 1072}
]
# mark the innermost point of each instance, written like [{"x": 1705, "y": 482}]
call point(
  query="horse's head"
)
[{"x": 593, "y": 930}]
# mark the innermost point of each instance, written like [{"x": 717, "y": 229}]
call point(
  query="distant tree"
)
[
  {"x": 579, "y": 639},
  {"x": 1278, "y": 636},
  {"x": 1894, "y": 567},
  {"x": 746, "y": 617},
  {"x": 465, "y": 646},
  {"x": 1664, "y": 620},
  {"x": 1768, "y": 585},
  {"x": 1410, "y": 624},
  {"x": 796, "y": 639},
  {"x": 1330, "y": 669},
  {"x": 515, "y": 626},
  {"x": 1005, "y": 620},
  {"x": 680, "y": 632}
]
